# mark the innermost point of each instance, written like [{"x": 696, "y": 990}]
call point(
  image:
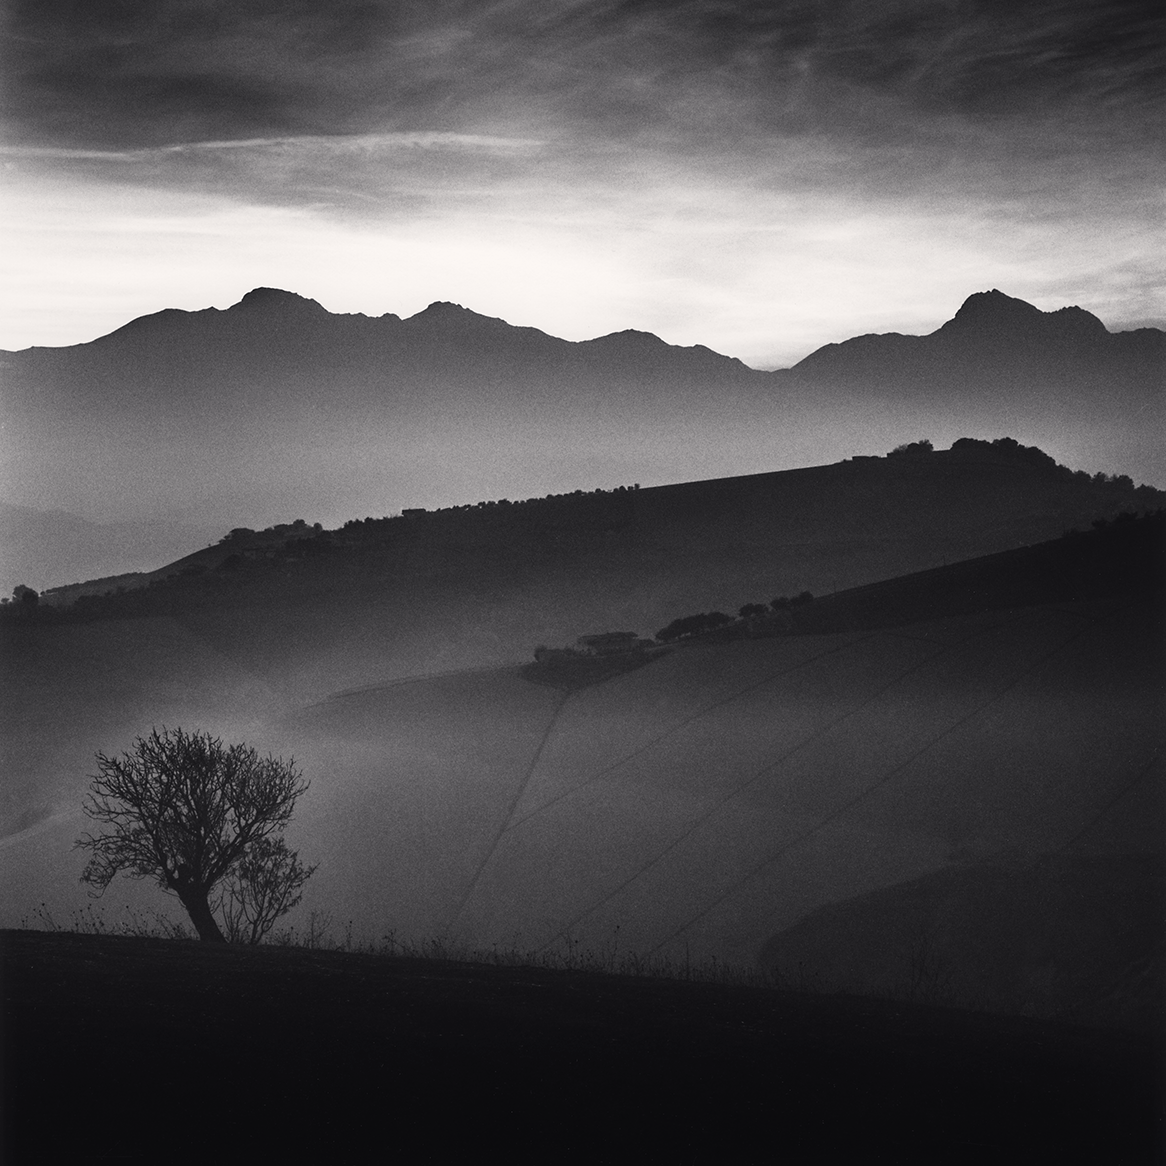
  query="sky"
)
[{"x": 761, "y": 178}]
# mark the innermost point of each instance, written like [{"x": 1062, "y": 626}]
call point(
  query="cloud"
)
[
  {"x": 890, "y": 97},
  {"x": 729, "y": 153},
  {"x": 361, "y": 174},
  {"x": 338, "y": 144},
  {"x": 130, "y": 75}
]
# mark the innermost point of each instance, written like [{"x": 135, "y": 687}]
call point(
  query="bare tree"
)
[
  {"x": 264, "y": 885},
  {"x": 189, "y": 812}
]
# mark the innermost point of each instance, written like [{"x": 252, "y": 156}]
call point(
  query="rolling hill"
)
[
  {"x": 315, "y": 611},
  {"x": 711, "y": 803}
]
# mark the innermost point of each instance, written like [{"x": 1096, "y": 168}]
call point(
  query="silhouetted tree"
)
[
  {"x": 26, "y": 595},
  {"x": 676, "y": 629},
  {"x": 191, "y": 813},
  {"x": 266, "y": 884},
  {"x": 751, "y": 610},
  {"x": 693, "y": 625}
]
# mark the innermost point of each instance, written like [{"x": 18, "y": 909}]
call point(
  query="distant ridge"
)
[
  {"x": 1000, "y": 346},
  {"x": 647, "y": 552},
  {"x": 988, "y": 317},
  {"x": 275, "y": 407}
]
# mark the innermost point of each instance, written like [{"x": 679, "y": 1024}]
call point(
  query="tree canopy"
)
[{"x": 194, "y": 815}]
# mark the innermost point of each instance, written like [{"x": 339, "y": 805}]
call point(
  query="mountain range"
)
[{"x": 276, "y": 408}]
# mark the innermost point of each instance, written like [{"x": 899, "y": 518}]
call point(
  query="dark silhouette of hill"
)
[
  {"x": 1124, "y": 557},
  {"x": 308, "y": 1053},
  {"x": 1081, "y": 925},
  {"x": 639, "y": 555},
  {"x": 276, "y": 407}
]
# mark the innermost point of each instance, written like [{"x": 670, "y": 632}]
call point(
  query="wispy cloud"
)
[{"x": 337, "y": 144}]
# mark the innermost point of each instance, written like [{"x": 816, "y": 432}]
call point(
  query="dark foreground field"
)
[{"x": 123, "y": 1049}]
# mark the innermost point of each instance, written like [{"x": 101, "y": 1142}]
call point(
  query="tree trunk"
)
[{"x": 199, "y": 911}]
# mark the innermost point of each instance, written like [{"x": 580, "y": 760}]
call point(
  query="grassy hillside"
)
[
  {"x": 233, "y": 1054},
  {"x": 999, "y": 715},
  {"x": 710, "y": 800},
  {"x": 702, "y": 802}
]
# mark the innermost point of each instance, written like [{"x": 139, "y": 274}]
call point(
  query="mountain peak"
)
[
  {"x": 992, "y": 312},
  {"x": 635, "y": 337},
  {"x": 445, "y": 314},
  {"x": 1075, "y": 319},
  {"x": 268, "y": 299},
  {"x": 993, "y": 306}
]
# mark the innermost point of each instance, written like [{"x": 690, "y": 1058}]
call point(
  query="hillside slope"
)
[
  {"x": 483, "y": 585},
  {"x": 703, "y": 803}
]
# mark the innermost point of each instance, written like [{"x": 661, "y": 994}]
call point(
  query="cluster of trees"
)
[
  {"x": 783, "y": 602},
  {"x": 297, "y": 529},
  {"x": 1009, "y": 447},
  {"x": 1033, "y": 455},
  {"x": 708, "y": 621},
  {"x": 693, "y": 625},
  {"x": 530, "y": 507},
  {"x": 1125, "y": 521},
  {"x": 204, "y": 821},
  {"x": 547, "y": 499},
  {"x": 25, "y": 597},
  {"x": 314, "y": 546}
]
